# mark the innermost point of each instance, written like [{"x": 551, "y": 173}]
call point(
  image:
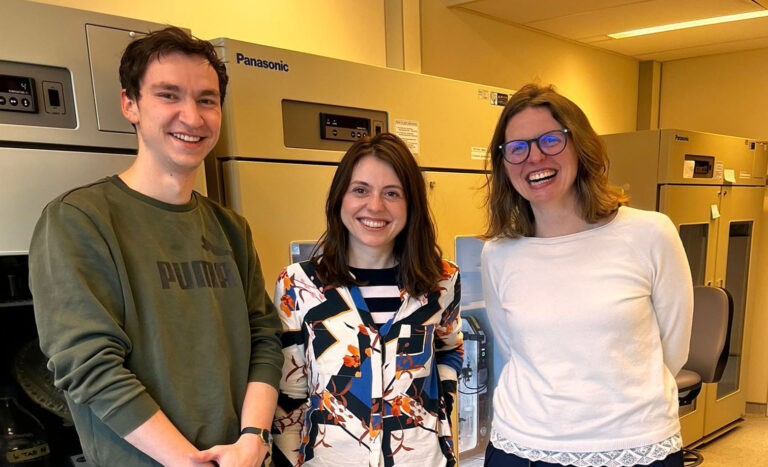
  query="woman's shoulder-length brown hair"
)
[
  {"x": 509, "y": 214},
  {"x": 416, "y": 250}
]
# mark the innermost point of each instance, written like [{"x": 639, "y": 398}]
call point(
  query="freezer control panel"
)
[
  {"x": 36, "y": 95},
  {"x": 344, "y": 127},
  {"x": 338, "y": 126},
  {"x": 17, "y": 94},
  {"x": 700, "y": 166}
]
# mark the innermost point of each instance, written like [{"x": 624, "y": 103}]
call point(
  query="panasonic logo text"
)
[{"x": 259, "y": 63}]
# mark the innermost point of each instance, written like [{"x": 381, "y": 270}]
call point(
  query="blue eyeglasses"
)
[{"x": 550, "y": 143}]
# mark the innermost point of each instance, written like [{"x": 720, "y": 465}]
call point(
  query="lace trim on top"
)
[{"x": 643, "y": 455}]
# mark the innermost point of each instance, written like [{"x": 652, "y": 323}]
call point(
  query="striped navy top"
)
[{"x": 381, "y": 292}]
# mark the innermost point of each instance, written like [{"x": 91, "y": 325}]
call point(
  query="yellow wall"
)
[
  {"x": 728, "y": 94},
  {"x": 346, "y": 29},
  {"x": 466, "y": 46},
  {"x": 725, "y": 94}
]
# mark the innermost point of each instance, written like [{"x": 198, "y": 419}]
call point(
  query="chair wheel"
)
[{"x": 692, "y": 458}]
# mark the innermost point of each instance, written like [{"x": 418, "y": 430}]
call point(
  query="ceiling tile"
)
[
  {"x": 589, "y": 21},
  {"x": 699, "y": 51}
]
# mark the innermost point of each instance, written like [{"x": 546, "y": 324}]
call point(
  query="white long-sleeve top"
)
[{"x": 593, "y": 328}]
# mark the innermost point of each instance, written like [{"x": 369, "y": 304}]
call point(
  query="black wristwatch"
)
[{"x": 264, "y": 435}]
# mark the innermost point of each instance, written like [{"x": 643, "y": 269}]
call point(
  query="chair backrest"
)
[{"x": 711, "y": 332}]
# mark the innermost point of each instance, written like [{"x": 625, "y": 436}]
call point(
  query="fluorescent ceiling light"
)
[{"x": 689, "y": 24}]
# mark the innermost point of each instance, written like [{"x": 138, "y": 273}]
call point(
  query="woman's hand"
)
[{"x": 248, "y": 451}]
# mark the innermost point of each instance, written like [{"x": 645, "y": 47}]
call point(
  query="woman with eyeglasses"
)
[
  {"x": 372, "y": 333},
  {"x": 590, "y": 301}
]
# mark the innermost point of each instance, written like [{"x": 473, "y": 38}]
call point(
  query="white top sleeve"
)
[
  {"x": 501, "y": 332},
  {"x": 672, "y": 296}
]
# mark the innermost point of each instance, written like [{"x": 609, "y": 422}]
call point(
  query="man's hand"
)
[
  {"x": 248, "y": 451},
  {"x": 159, "y": 439}
]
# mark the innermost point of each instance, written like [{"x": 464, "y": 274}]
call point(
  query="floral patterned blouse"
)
[{"x": 352, "y": 395}]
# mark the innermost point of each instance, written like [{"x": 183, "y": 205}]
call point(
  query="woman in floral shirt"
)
[{"x": 371, "y": 324}]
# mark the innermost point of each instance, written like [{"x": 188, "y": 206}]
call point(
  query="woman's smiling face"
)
[
  {"x": 374, "y": 209},
  {"x": 545, "y": 181}
]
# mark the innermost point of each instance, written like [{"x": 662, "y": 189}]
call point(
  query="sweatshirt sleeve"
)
[
  {"x": 266, "y": 349},
  {"x": 79, "y": 310},
  {"x": 672, "y": 295}
]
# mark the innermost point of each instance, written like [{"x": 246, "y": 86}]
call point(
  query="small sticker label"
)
[
  {"x": 499, "y": 98},
  {"x": 744, "y": 174},
  {"x": 483, "y": 94},
  {"x": 729, "y": 176},
  {"x": 718, "y": 171},
  {"x": 479, "y": 153},
  {"x": 408, "y": 131},
  {"x": 688, "y": 167},
  {"x": 715, "y": 212},
  {"x": 22, "y": 456}
]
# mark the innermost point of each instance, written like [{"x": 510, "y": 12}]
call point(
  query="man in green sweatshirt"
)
[{"x": 149, "y": 298}]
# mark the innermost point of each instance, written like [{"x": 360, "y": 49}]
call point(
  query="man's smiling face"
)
[{"x": 178, "y": 113}]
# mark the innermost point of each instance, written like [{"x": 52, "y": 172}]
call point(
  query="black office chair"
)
[{"x": 710, "y": 342}]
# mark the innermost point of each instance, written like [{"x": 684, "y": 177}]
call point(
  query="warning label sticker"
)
[{"x": 408, "y": 131}]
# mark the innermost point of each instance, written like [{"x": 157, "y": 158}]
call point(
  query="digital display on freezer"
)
[
  {"x": 15, "y": 85},
  {"x": 701, "y": 166},
  {"x": 343, "y": 127},
  {"x": 17, "y": 94}
]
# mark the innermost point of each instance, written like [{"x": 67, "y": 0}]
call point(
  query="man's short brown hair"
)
[{"x": 140, "y": 53}]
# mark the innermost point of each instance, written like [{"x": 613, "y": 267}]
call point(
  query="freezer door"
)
[
  {"x": 31, "y": 178},
  {"x": 719, "y": 228},
  {"x": 283, "y": 203},
  {"x": 695, "y": 210},
  {"x": 741, "y": 209},
  {"x": 456, "y": 201}
]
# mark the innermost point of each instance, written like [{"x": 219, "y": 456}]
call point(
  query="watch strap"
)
[{"x": 263, "y": 434}]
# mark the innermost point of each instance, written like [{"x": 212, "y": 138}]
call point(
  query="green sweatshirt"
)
[{"x": 143, "y": 305}]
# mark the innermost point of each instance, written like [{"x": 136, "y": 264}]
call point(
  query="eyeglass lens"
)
[{"x": 550, "y": 144}]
